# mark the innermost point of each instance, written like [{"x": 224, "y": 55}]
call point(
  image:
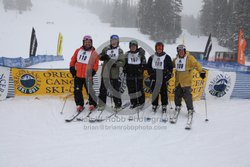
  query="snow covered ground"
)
[{"x": 33, "y": 132}]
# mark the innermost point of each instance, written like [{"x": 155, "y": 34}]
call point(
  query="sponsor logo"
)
[
  {"x": 220, "y": 85},
  {"x": 28, "y": 82},
  {"x": 3, "y": 83}
]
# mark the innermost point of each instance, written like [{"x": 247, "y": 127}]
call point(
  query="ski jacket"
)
[
  {"x": 135, "y": 63},
  {"x": 113, "y": 59},
  {"x": 184, "y": 76},
  {"x": 162, "y": 63},
  {"x": 84, "y": 61}
]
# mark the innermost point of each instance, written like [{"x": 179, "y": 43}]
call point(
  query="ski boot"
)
[
  {"x": 154, "y": 108},
  {"x": 92, "y": 108},
  {"x": 190, "y": 119},
  {"x": 164, "y": 117},
  {"x": 174, "y": 116},
  {"x": 79, "y": 108}
]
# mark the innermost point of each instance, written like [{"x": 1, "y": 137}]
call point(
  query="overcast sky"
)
[{"x": 191, "y": 7}]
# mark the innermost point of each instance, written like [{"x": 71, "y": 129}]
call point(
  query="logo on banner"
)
[
  {"x": 220, "y": 85},
  {"x": 3, "y": 83},
  {"x": 29, "y": 83}
]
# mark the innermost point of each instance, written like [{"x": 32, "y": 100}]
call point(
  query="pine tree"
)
[
  {"x": 145, "y": 16},
  {"x": 9, "y": 5},
  {"x": 220, "y": 17},
  {"x": 177, "y": 6},
  {"x": 23, "y": 5},
  {"x": 206, "y": 19},
  {"x": 241, "y": 17}
]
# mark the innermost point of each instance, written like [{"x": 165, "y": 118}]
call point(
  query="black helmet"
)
[{"x": 133, "y": 42}]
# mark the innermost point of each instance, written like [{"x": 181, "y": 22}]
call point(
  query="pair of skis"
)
[
  {"x": 99, "y": 115},
  {"x": 93, "y": 119},
  {"x": 75, "y": 116}
]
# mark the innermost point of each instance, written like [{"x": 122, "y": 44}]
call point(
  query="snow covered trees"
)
[
  {"x": 20, "y": 5},
  {"x": 224, "y": 18},
  {"x": 160, "y": 19}
]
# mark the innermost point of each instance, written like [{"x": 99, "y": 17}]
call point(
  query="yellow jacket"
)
[{"x": 184, "y": 78}]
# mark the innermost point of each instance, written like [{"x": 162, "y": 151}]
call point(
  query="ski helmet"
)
[
  {"x": 133, "y": 42},
  {"x": 114, "y": 37},
  {"x": 87, "y": 37},
  {"x": 181, "y": 47},
  {"x": 159, "y": 44}
]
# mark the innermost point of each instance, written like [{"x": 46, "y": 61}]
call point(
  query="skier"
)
[
  {"x": 135, "y": 63},
  {"x": 184, "y": 64},
  {"x": 160, "y": 70},
  {"x": 113, "y": 58},
  {"x": 83, "y": 66}
]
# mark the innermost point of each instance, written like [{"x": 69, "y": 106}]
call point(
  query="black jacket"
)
[
  {"x": 168, "y": 67},
  {"x": 135, "y": 70}
]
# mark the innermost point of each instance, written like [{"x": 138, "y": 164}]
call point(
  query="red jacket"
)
[{"x": 83, "y": 61}]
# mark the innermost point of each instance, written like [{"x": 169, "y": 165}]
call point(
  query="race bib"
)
[
  {"x": 113, "y": 53},
  {"x": 158, "y": 62},
  {"x": 134, "y": 58},
  {"x": 180, "y": 64},
  {"x": 83, "y": 56}
]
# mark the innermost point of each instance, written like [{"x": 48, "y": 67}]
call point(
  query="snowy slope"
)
[
  {"x": 33, "y": 133},
  {"x": 51, "y": 17}
]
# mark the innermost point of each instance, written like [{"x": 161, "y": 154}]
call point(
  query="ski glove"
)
[
  {"x": 168, "y": 77},
  {"x": 72, "y": 71},
  {"x": 203, "y": 75},
  {"x": 152, "y": 76},
  {"x": 105, "y": 57}
]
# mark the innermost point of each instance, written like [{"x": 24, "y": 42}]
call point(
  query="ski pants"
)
[
  {"x": 162, "y": 89},
  {"x": 135, "y": 90},
  {"x": 186, "y": 94},
  {"x": 115, "y": 84},
  {"x": 78, "y": 85}
]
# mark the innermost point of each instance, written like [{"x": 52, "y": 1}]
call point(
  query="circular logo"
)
[
  {"x": 28, "y": 82},
  {"x": 220, "y": 85}
]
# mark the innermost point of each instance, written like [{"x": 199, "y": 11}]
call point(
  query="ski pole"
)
[
  {"x": 61, "y": 112},
  {"x": 205, "y": 105}
]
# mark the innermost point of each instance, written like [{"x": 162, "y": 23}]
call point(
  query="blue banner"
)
[{"x": 21, "y": 62}]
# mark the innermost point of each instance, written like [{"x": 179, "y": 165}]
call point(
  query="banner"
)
[
  {"x": 33, "y": 43},
  {"x": 241, "y": 49},
  {"x": 198, "y": 85},
  {"x": 208, "y": 48},
  {"x": 220, "y": 84},
  {"x": 34, "y": 82},
  {"x": 4, "y": 82},
  {"x": 59, "y": 45}
]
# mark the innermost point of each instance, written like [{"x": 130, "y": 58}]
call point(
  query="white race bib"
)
[
  {"x": 113, "y": 53},
  {"x": 158, "y": 62},
  {"x": 134, "y": 58},
  {"x": 180, "y": 64},
  {"x": 83, "y": 56}
]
